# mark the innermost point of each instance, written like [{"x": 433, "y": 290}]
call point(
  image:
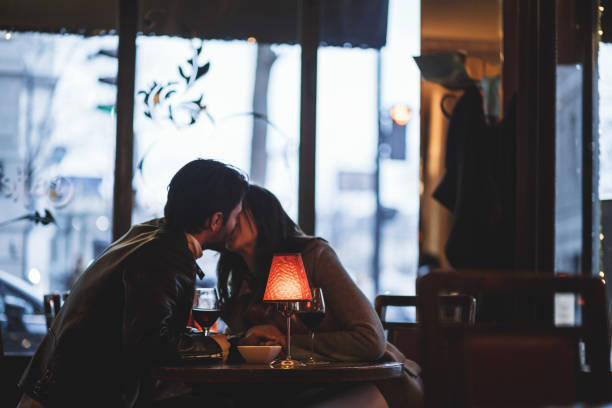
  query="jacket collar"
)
[
  {"x": 194, "y": 245},
  {"x": 196, "y": 249}
]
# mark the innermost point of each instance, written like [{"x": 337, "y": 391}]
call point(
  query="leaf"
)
[
  {"x": 156, "y": 97},
  {"x": 169, "y": 93},
  {"x": 170, "y": 116},
  {"x": 203, "y": 70},
  {"x": 148, "y": 93},
  {"x": 192, "y": 120},
  {"x": 146, "y": 98},
  {"x": 198, "y": 102},
  {"x": 106, "y": 108},
  {"x": 148, "y": 114},
  {"x": 183, "y": 74}
]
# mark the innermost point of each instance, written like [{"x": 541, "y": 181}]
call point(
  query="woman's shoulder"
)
[
  {"x": 315, "y": 245},
  {"x": 319, "y": 250}
]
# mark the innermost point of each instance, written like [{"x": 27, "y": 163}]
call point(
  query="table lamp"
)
[{"x": 287, "y": 284}]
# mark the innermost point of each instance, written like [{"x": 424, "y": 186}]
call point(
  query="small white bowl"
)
[{"x": 259, "y": 354}]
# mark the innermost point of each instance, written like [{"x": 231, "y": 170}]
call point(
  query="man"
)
[{"x": 129, "y": 309}]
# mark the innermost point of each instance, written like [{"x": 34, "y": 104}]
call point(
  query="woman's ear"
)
[{"x": 216, "y": 221}]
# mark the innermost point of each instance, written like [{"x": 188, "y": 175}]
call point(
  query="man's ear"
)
[{"x": 216, "y": 221}]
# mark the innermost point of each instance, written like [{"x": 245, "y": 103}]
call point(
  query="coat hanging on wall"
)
[{"x": 478, "y": 186}]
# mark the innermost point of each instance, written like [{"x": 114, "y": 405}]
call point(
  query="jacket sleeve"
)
[
  {"x": 359, "y": 335},
  {"x": 158, "y": 288}
]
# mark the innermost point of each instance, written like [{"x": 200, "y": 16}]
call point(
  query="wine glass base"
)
[
  {"x": 311, "y": 362},
  {"x": 286, "y": 364}
]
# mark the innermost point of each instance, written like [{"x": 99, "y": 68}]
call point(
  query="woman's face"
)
[{"x": 244, "y": 236}]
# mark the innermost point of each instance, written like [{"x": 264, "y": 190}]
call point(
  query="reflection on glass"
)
[
  {"x": 568, "y": 143},
  {"x": 348, "y": 138},
  {"x": 56, "y": 169},
  {"x": 605, "y": 121},
  {"x": 225, "y": 113}
]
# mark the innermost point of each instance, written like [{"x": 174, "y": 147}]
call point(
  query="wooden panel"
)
[
  {"x": 309, "y": 38},
  {"x": 590, "y": 138},
  {"x": 437, "y": 335},
  {"x": 535, "y": 136},
  {"x": 122, "y": 194},
  {"x": 516, "y": 362},
  {"x": 546, "y": 136},
  {"x": 356, "y": 22},
  {"x": 53, "y": 16}
]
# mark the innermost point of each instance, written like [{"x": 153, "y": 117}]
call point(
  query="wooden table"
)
[
  {"x": 335, "y": 372},
  {"x": 259, "y": 385}
]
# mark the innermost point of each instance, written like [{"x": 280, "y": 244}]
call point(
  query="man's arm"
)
[{"x": 155, "y": 283}]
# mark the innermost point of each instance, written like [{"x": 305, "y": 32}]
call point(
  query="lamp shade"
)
[{"x": 287, "y": 281}]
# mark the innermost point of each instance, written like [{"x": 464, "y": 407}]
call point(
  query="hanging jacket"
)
[{"x": 478, "y": 186}]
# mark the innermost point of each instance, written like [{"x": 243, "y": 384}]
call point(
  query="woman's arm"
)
[{"x": 358, "y": 334}]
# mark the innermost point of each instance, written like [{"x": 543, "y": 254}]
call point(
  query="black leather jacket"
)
[{"x": 127, "y": 312}]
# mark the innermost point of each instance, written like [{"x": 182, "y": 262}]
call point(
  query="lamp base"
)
[{"x": 286, "y": 364}]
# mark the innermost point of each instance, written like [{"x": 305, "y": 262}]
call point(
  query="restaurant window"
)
[
  {"x": 568, "y": 145},
  {"x": 233, "y": 101},
  {"x": 379, "y": 252},
  {"x": 605, "y": 161},
  {"x": 227, "y": 125},
  {"x": 57, "y": 143}
]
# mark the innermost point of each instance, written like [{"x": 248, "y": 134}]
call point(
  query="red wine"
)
[
  {"x": 205, "y": 317},
  {"x": 311, "y": 319}
]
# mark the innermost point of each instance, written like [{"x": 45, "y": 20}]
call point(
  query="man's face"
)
[
  {"x": 245, "y": 233},
  {"x": 230, "y": 224}
]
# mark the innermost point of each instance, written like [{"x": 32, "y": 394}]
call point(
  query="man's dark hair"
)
[{"x": 198, "y": 190}]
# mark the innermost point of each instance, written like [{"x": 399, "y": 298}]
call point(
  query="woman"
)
[{"x": 350, "y": 331}]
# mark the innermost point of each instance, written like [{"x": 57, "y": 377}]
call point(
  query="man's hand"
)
[
  {"x": 223, "y": 343},
  {"x": 263, "y": 335}
]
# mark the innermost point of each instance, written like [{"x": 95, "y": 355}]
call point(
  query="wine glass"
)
[
  {"x": 311, "y": 313},
  {"x": 205, "y": 310}
]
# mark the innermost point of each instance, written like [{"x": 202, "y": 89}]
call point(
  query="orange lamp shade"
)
[{"x": 287, "y": 280}]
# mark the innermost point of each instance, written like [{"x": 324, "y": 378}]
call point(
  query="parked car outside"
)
[{"x": 22, "y": 319}]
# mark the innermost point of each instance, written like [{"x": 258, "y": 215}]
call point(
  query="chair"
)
[
  {"x": 52, "y": 303},
  {"x": 513, "y": 362},
  {"x": 404, "y": 335}
]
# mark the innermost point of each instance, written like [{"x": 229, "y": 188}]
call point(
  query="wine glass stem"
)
[
  {"x": 289, "y": 336},
  {"x": 206, "y": 331},
  {"x": 311, "y": 344}
]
